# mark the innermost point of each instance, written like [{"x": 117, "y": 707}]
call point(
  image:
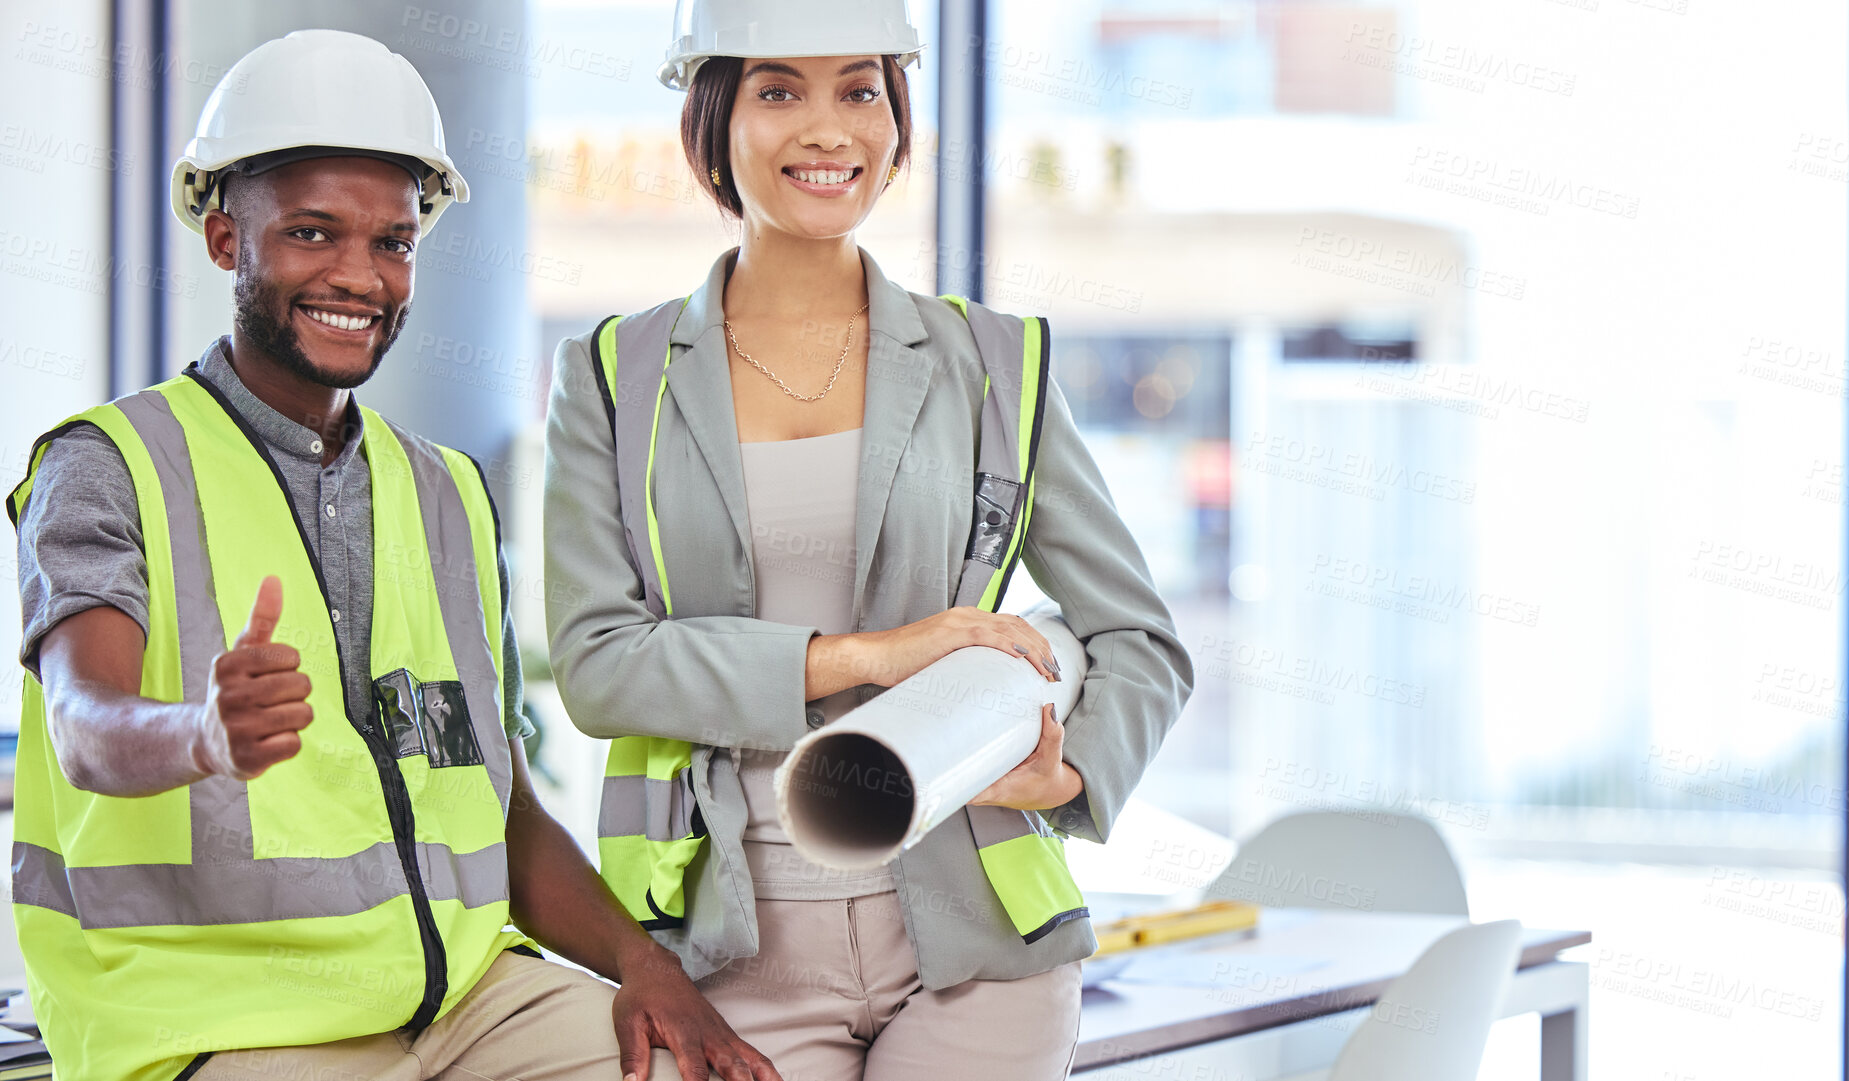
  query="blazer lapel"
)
[
  {"x": 700, "y": 382},
  {"x": 702, "y": 389},
  {"x": 897, "y": 378}
]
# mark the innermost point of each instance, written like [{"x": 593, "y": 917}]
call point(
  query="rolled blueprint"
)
[{"x": 862, "y": 790}]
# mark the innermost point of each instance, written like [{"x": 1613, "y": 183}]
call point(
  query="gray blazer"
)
[{"x": 720, "y": 678}]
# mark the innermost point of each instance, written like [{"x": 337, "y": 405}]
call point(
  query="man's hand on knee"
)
[{"x": 658, "y": 1006}]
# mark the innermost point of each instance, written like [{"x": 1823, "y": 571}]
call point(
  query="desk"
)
[{"x": 1280, "y": 1000}]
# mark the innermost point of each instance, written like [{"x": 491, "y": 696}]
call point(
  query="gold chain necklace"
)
[{"x": 749, "y": 359}]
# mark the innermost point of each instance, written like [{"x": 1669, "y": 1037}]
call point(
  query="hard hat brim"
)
[
  {"x": 258, "y": 164},
  {"x": 194, "y": 183}
]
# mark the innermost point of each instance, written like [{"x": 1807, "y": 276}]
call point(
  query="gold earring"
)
[
  {"x": 716, "y": 182},
  {"x": 892, "y": 174}
]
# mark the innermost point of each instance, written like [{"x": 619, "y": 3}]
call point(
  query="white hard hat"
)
[
  {"x": 761, "y": 29},
  {"x": 316, "y": 89}
]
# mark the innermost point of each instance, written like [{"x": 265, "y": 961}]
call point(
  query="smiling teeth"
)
[
  {"x": 339, "y": 322},
  {"x": 822, "y": 176}
]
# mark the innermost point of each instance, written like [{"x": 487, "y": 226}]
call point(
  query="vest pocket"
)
[
  {"x": 431, "y": 719},
  {"x": 992, "y": 519},
  {"x": 449, "y": 738}
]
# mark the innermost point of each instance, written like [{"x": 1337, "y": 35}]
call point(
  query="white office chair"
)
[
  {"x": 1328, "y": 859},
  {"x": 1432, "y": 1023}
]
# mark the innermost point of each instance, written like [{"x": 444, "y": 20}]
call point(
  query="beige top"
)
[{"x": 799, "y": 495}]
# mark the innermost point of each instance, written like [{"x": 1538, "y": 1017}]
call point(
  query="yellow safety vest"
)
[
  {"x": 357, "y": 887},
  {"x": 649, "y": 827}
]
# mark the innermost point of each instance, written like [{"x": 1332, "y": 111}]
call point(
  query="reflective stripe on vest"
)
[
  {"x": 1024, "y": 862},
  {"x": 361, "y": 883},
  {"x": 647, "y": 828}
]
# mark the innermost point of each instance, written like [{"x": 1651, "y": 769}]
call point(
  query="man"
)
[{"x": 288, "y": 843}]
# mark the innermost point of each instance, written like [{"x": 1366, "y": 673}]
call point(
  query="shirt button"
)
[
  {"x": 315, "y": 447},
  {"x": 813, "y": 717},
  {"x": 1070, "y": 820},
  {"x": 330, "y": 510},
  {"x": 335, "y": 613}
]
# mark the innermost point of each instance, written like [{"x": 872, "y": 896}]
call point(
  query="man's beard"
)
[{"x": 265, "y": 319}]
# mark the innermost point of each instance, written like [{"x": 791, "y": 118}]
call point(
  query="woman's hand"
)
[
  {"x": 658, "y": 1006},
  {"x": 1043, "y": 780},
  {"x": 889, "y": 657}
]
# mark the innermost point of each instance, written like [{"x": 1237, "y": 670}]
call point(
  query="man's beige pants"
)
[
  {"x": 524, "y": 1020},
  {"x": 834, "y": 995}
]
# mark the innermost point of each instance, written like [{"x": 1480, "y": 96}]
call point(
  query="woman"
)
[{"x": 758, "y": 500}]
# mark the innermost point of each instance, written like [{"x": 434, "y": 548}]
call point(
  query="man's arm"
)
[
  {"x": 559, "y": 900},
  {"x": 111, "y": 741}
]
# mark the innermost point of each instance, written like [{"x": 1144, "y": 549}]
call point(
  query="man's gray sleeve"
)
[
  {"x": 79, "y": 539},
  {"x": 512, "y": 717}
]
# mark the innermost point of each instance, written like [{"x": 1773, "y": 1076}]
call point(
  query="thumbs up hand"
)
[{"x": 257, "y": 700}]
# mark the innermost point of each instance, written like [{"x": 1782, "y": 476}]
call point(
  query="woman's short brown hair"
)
[{"x": 706, "y": 124}]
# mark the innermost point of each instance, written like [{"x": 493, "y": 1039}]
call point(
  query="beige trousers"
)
[
  {"x": 833, "y": 995},
  {"x": 524, "y": 1020}
]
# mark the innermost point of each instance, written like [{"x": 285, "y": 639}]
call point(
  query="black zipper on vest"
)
[{"x": 397, "y": 797}]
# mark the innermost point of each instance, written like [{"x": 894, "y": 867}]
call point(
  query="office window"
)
[
  {"x": 1532, "y": 463},
  {"x": 1332, "y": 342}
]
